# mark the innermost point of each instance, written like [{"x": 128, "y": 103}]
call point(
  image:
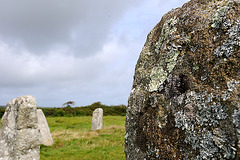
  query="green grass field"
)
[{"x": 74, "y": 140}]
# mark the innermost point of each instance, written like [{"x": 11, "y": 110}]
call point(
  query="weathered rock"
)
[
  {"x": 185, "y": 99},
  {"x": 47, "y": 139},
  {"x": 19, "y": 136},
  {"x": 97, "y": 119}
]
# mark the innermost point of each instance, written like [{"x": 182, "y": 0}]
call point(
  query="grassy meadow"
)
[{"x": 74, "y": 140}]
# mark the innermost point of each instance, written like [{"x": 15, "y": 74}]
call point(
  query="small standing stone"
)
[
  {"x": 19, "y": 135},
  {"x": 47, "y": 139},
  {"x": 97, "y": 119}
]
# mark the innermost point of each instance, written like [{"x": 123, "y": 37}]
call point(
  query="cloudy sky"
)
[{"x": 79, "y": 50}]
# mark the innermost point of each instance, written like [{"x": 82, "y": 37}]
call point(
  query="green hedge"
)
[
  {"x": 119, "y": 110},
  {"x": 2, "y": 110}
]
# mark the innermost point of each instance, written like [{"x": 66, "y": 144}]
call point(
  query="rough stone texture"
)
[
  {"x": 47, "y": 139},
  {"x": 97, "y": 119},
  {"x": 19, "y": 136},
  {"x": 185, "y": 99}
]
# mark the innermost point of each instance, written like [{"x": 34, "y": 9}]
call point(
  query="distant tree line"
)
[{"x": 118, "y": 110}]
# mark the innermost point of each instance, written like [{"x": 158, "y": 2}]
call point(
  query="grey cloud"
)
[{"x": 81, "y": 25}]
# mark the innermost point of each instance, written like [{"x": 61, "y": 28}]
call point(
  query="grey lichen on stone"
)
[
  {"x": 228, "y": 46},
  {"x": 167, "y": 31},
  {"x": 219, "y": 17},
  {"x": 172, "y": 60},
  {"x": 208, "y": 115},
  {"x": 236, "y": 122},
  {"x": 232, "y": 85}
]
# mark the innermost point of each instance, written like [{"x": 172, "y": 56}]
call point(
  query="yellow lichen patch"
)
[
  {"x": 158, "y": 76},
  {"x": 167, "y": 32}
]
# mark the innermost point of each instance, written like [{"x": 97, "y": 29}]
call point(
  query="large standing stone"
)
[
  {"x": 47, "y": 139},
  {"x": 19, "y": 136},
  {"x": 97, "y": 119},
  {"x": 185, "y": 99}
]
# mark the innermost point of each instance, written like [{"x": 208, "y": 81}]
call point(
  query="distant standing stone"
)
[
  {"x": 19, "y": 135},
  {"x": 97, "y": 119},
  {"x": 47, "y": 139}
]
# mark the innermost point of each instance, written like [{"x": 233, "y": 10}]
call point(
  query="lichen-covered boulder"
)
[
  {"x": 185, "y": 99},
  {"x": 19, "y": 137},
  {"x": 46, "y": 136}
]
